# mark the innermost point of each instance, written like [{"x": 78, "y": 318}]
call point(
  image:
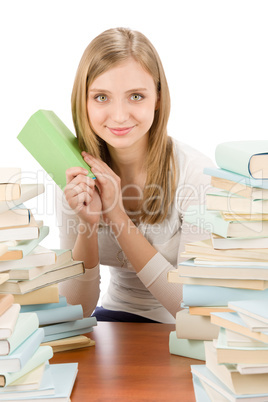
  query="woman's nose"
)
[{"x": 119, "y": 111}]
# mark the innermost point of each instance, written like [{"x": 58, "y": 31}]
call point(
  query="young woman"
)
[{"x": 130, "y": 217}]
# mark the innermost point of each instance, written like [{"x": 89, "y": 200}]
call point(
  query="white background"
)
[{"x": 214, "y": 54}]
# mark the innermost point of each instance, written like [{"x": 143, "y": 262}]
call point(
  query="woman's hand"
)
[
  {"x": 109, "y": 186},
  {"x": 82, "y": 195}
]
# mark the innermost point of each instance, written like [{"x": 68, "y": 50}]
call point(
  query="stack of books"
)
[
  {"x": 31, "y": 272},
  {"x": 236, "y": 366},
  {"x": 231, "y": 264},
  {"x": 25, "y": 371}
]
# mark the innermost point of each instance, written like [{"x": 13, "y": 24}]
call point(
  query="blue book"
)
[
  {"x": 192, "y": 348},
  {"x": 60, "y": 314},
  {"x": 237, "y": 178},
  {"x": 199, "y": 295},
  {"x": 46, "y": 306},
  {"x": 70, "y": 326},
  {"x": 16, "y": 360},
  {"x": 256, "y": 309},
  {"x": 67, "y": 334},
  {"x": 217, "y": 389}
]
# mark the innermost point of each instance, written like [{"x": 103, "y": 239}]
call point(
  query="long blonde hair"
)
[{"x": 105, "y": 51}]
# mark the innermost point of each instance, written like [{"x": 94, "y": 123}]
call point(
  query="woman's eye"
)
[
  {"x": 101, "y": 98},
  {"x": 136, "y": 97}
]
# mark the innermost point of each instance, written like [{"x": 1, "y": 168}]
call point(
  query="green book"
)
[
  {"x": 53, "y": 145},
  {"x": 193, "y": 348},
  {"x": 248, "y": 158}
]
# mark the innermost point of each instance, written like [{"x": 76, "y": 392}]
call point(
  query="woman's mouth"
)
[{"x": 120, "y": 130}]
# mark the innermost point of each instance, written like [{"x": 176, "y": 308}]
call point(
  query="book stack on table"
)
[
  {"x": 236, "y": 366},
  {"x": 231, "y": 265},
  {"x": 25, "y": 371},
  {"x": 31, "y": 272}
]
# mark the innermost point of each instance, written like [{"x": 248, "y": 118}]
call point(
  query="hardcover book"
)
[{"x": 52, "y": 144}]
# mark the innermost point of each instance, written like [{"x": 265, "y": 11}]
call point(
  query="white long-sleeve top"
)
[{"x": 148, "y": 292}]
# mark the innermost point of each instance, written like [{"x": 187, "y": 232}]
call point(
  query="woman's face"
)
[{"x": 121, "y": 104}]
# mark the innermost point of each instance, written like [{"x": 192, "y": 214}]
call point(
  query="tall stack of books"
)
[
  {"x": 25, "y": 371},
  {"x": 31, "y": 272},
  {"x": 236, "y": 366},
  {"x": 231, "y": 265}
]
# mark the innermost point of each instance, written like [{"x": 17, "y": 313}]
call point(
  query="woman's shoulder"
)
[
  {"x": 185, "y": 152},
  {"x": 190, "y": 162}
]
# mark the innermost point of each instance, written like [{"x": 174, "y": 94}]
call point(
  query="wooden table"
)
[{"x": 130, "y": 362}]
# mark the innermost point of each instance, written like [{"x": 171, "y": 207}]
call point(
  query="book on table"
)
[
  {"x": 186, "y": 325},
  {"x": 59, "y": 314},
  {"x": 52, "y": 144},
  {"x": 26, "y": 324},
  {"x": 71, "y": 343},
  {"x": 27, "y": 382},
  {"x": 193, "y": 348},
  {"x": 46, "y": 388},
  {"x": 248, "y": 158},
  {"x": 41, "y": 355}
]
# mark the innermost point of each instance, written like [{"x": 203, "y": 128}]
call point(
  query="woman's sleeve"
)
[
  {"x": 84, "y": 289},
  {"x": 192, "y": 187}
]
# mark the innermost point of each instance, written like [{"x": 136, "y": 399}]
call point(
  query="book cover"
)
[
  {"x": 28, "y": 191},
  {"x": 66, "y": 334},
  {"x": 74, "y": 342},
  {"x": 17, "y": 359},
  {"x": 28, "y": 381},
  {"x": 238, "y": 188},
  {"x": 191, "y": 348},
  {"x": 62, "y": 302},
  {"x": 186, "y": 325},
  {"x": 52, "y": 144},
  {"x": 17, "y": 216},
  {"x": 45, "y": 295},
  {"x": 83, "y": 323},
  {"x": 26, "y": 324},
  {"x": 42, "y": 354},
  {"x": 195, "y": 295},
  {"x": 6, "y": 301},
  {"x": 221, "y": 243},
  {"x": 61, "y": 314},
  {"x": 61, "y": 273},
  {"x": 254, "y": 308},
  {"x": 199, "y": 391},
  {"x": 248, "y": 158},
  {"x": 8, "y": 321}
]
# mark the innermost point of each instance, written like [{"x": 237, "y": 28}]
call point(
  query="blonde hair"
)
[{"x": 105, "y": 51}]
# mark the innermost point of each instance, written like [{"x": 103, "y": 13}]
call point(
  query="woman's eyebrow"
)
[{"x": 106, "y": 91}]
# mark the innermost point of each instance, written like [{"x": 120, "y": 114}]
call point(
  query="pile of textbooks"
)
[
  {"x": 31, "y": 272},
  {"x": 25, "y": 371},
  {"x": 231, "y": 265}
]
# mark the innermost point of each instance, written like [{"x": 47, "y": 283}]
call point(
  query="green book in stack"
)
[{"x": 53, "y": 145}]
